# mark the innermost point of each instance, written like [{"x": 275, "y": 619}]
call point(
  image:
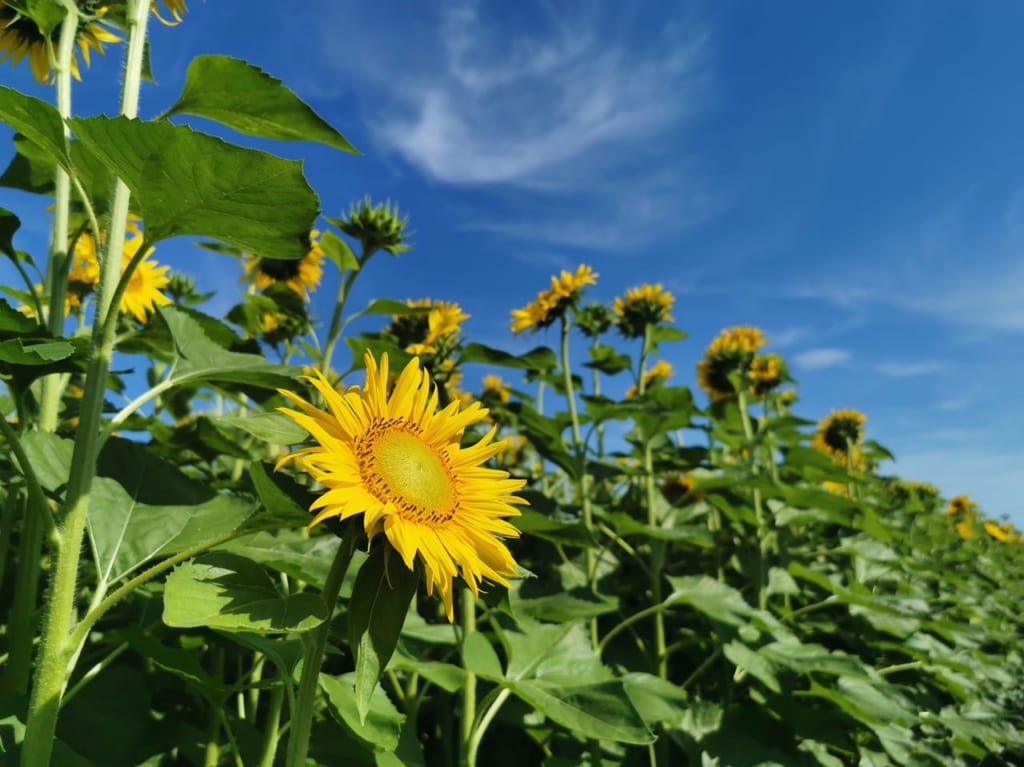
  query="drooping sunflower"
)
[
  {"x": 301, "y": 275},
  {"x": 642, "y": 306},
  {"x": 840, "y": 433},
  {"x": 395, "y": 459},
  {"x": 143, "y": 292},
  {"x": 731, "y": 351},
  {"x": 552, "y": 304},
  {"x": 1002, "y": 533},
  {"x": 21, "y": 37}
]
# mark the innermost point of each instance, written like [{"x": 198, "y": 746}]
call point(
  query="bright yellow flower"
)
[
  {"x": 143, "y": 291},
  {"x": 642, "y": 306},
  {"x": 766, "y": 373},
  {"x": 301, "y": 275},
  {"x": 395, "y": 459},
  {"x": 20, "y": 37},
  {"x": 551, "y": 304},
  {"x": 838, "y": 432},
  {"x": 1002, "y": 533},
  {"x": 495, "y": 384},
  {"x": 966, "y": 529}
]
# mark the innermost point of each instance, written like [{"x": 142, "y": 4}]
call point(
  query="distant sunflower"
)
[
  {"x": 839, "y": 433},
  {"x": 301, "y": 275},
  {"x": 552, "y": 304},
  {"x": 143, "y": 292},
  {"x": 960, "y": 505},
  {"x": 1002, "y": 533},
  {"x": 20, "y": 37},
  {"x": 659, "y": 372},
  {"x": 397, "y": 461},
  {"x": 642, "y": 306},
  {"x": 730, "y": 352},
  {"x": 767, "y": 372},
  {"x": 495, "y": 386}
]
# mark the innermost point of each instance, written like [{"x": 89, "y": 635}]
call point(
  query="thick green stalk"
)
[
  {"x": 657, "y": 547},
  {"x": 212, "y": 751},
  {"x": 469, "y": 686},
  {"x": 762, "y": 525},
  {"x": 57, "y": 262},
  {"x": 315, "y": 644},
  {"x": 57, "y": 650},
  {"x": 272, "y": 727},
  {"x": 579, "y": 453}
]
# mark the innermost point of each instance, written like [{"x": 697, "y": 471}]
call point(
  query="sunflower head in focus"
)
[
  {"x": 552, "y": 304},
  {"x": 394, "y": 458},
  {"x": 301, "y": 275},
  {"x": 20, "y": 37},
  {"x": 642, "y": 306},
  {"x": 839, "y": 433},
  {"x": 729, "y": 354}
]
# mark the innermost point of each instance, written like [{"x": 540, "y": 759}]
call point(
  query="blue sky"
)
[{"x": 846, "y": 176}]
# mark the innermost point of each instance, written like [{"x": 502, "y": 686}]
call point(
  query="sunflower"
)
[
  {"x": 642, "y": 306},
  {"x": 960, "y": 505},
  {"x": 552, "y": 304},
  {"x": 965, "y": 528},
  {"x": 301, "y": 275},
  {"x": 176, "y": 8},
  {"x": 143, "y": 291},
  {"x": 839, "y": 433},
  {"x": 766, "y": 373},
  {"x": 1002, "y": 533},
  {"x": 495, "y": 386},
  {"x": 730, "y": 352},
  {"x": 659, "y": 372},
  {"x": 20, "y": 37},
  {"x": 395, "y": 459}
]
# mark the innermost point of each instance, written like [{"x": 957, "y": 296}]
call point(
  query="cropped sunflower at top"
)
[
  {"x": 302, "y": 275},
  {"x": 552, "y": 304},
  {"x": 21, "y": 37},
  {"x": 642, "y": 306},
  {"x": 730, "y": 352},
  {"x": 840, "y": 433},
  {"x": 176, "y": 8},
  {"x": 396, "y": 460}
]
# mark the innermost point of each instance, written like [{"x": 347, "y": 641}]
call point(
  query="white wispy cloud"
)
[
  {"x": 909, "y": 369},
  {"x": 568, "y": 109},
  {"x": 817, "y": 359}
]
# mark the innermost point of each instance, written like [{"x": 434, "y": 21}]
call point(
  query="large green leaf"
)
[
  {"x": 382, "y": 725},
  {"x": 289, "y": 551},
  {"x": 9, "y": 224},
  {"x": 191, "y": 183},
  {"x": 380, "y": 600},
  {"x": 224, "y": 591},
  {"x": 200, "y": 359},
  {"x": 37, "y": 121},
  {"x": 718, "y": 601},
  {"x": 602, "y": 711},
  {"x": 272, "y": 428},
  {"x": 244, "y": 97}
]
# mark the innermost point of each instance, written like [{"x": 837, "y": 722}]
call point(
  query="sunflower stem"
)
[
  {"x": 57, "y": 258},
  {"x": 272, "y": 728},
  {"x": 762, "y": 526},
  {"x": 657, "y": 547},
  {"x": 595, "y": 375},
  {"x": 466, "y": 729},
  {"x": 57, "y": 650},
  {"x": 315, "y": 645},
  {"x": 337, "y": 316},
  {"x": 581, "y": 473}
]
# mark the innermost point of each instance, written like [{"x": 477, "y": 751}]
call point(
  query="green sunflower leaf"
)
[
  {"x": 242, "y": 96},
  {"x": 9, "y": 224},
  {"x": 191, "y": 183},
  {"x": 380, "y": 600},
  {"x": 39, "y": 122},
  {"x": 220, "y": 590},
  {"x": 380, "y": 728}
]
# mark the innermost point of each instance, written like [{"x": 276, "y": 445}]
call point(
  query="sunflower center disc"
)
[{"x": 417, "y": 477}]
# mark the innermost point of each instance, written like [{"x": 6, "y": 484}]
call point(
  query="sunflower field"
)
[{"x": 299, "y": 544}]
